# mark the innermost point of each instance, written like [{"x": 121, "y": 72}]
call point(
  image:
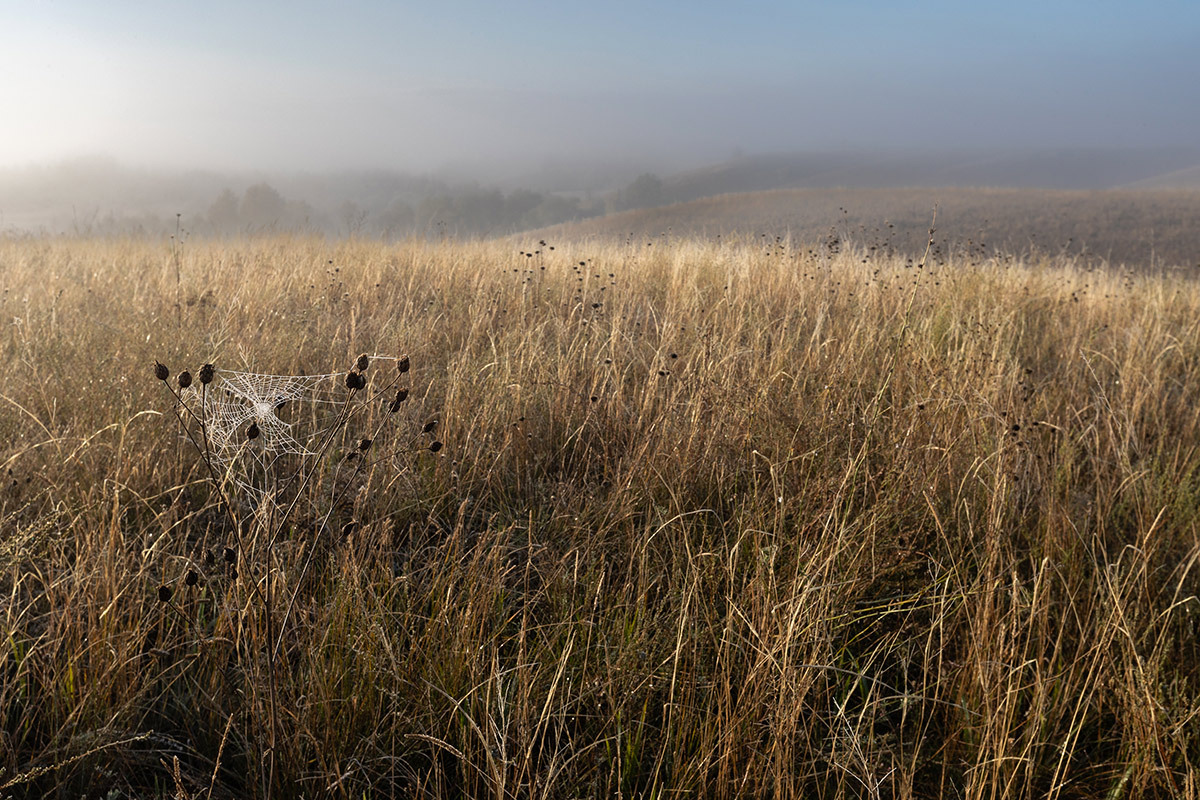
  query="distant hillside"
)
[
  {"x": 1131, "y": 227},
  {"x": 1187, "y": 178},
  {"x": 1050, "y": 169}
]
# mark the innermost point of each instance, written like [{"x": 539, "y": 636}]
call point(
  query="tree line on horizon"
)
[{"x": 445, "y": 211}]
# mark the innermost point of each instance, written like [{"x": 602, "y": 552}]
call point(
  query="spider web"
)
[{"x": 292, "y": 414}]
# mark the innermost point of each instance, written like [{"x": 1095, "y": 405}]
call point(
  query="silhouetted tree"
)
[
  {"x": 263, "y": 207},
  {"x": 645, "y": 191},
  {"x": 223, "y": 213}
]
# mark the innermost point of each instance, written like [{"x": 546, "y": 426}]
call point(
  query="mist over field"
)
[
  {"x": 473, "y": 120},
  {"x": 557, "y": 400}
]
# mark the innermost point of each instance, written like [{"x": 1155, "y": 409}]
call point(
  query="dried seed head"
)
[
  {"x": 230, "y": 555},
  {"x": 355, "y": 380},
  {"x": 363, "y": 362},
  {"x": 403, "y": 365},
  {"x": 206, "y": 374},
  {"x": 185, "y": 379},
  {"x": 435, "y": 446},
  {"x": 165, "y": 592},
  {"x": 401, "y": 396},
  {"x": 161, "y": 372},
  {"x": 191, "y": 578},
  {"x": 429, "y": 426},
  {"x": 364, "y": 444},
  {"x": 252, "y": 432}
]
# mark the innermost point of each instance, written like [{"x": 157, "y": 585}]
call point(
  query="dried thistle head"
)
[
  {"x": 355, "y": 380},
  {"x": 206, "y": 374},
  {"x": 401, "y": 396},
  {"x": 185, "y": 379},
  {"x": 363, "y": 362},
  {"x": 403, "y": 365},
  {"x": 161, "y": 372}
]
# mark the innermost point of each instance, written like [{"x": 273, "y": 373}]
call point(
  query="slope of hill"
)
[
  {"x": 1043, "y": 169},
  {"x": 1186, "y": 178},
  {"x": 1132, "y": 227}
]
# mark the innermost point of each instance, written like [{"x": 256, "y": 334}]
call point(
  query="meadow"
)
[{"x": 656, "y": 517}]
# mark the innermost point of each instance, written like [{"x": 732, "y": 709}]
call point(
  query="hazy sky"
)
[{"x": 321, "y": 85}]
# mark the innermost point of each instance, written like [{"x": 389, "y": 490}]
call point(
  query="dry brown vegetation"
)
[
  {"x": 1141, "y": 229},
  {"x": 727, "y": 520}
]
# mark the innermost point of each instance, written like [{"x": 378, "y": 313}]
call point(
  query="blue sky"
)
[{"x": 324, "y": 85}]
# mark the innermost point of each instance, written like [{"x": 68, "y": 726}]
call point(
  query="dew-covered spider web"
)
[
  {"x": 289, "y": 416},
  {"x": 261, "y": 431},
  {"x": 245, "y": 397}
]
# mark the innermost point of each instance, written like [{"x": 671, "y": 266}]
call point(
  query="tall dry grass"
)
[{"x": 720, "y": 519}]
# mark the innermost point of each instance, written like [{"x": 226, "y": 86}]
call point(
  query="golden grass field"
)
[{"x": 712, "y": 520}]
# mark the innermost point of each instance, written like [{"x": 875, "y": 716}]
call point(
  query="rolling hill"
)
[{"x": 1142, "y": 228}]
